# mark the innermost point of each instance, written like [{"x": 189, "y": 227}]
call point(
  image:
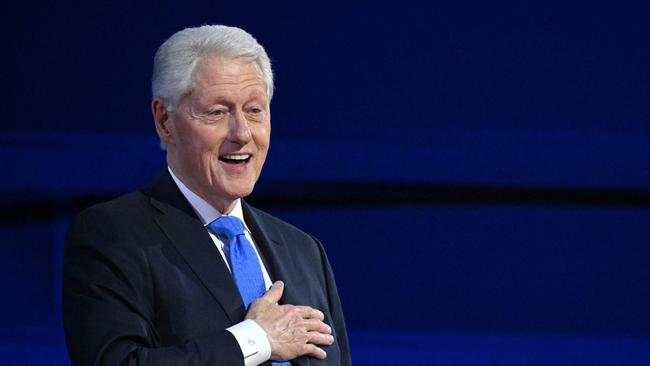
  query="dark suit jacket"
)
[{"x": 143, "y": 283}]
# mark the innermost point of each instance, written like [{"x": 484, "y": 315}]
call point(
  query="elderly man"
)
[{"x": 180, "y": 272}]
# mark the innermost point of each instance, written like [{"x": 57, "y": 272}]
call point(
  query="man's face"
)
[{"x": 219, "y": 134}]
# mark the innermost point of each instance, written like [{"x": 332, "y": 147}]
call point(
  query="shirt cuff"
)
[{"x": 253, "y": 342}]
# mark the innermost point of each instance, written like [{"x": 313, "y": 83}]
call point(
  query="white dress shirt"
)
[{"x": 251, "y": 337}]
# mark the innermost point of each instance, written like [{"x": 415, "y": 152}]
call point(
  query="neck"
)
[{"x": 221, "y": 204}]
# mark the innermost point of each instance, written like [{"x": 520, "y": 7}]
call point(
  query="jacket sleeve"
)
[
  {"x": 108, "y": 308},
  {"x": 336, "y": 312}
]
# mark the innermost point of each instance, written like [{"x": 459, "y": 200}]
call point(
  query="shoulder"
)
[
  {"x": 120, "y": 207},
  {"x": 281, "y": 232},
  {"x": 265, "y": 218},
  {"x": 114, "y": 218},
  {"x": 274, "y": 226}
]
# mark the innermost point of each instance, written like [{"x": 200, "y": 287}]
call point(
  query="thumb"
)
[{"x": 274, "y": 294}]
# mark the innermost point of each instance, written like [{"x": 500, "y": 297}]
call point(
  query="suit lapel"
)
[
  {"x": 270, "y": 242},
  {"x": 279, "y": 260},
  {"x": 185, "y": 231}
]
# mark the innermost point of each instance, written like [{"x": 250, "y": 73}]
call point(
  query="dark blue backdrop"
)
[{"x": 479, "y": 172}]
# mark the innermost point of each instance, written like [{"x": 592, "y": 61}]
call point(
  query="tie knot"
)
[{"x": 227, "y": 227}]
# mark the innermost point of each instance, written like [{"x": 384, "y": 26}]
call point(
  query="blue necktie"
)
[{"x": 244, "y": 265}]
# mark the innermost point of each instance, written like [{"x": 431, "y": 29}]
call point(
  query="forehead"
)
[{"x": 214, "y": 70}]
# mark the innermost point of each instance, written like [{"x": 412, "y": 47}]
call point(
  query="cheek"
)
[
  {"x": 201, "y": 152},
  {"x": 262, "y": 136},
  {"x": 206, "y": 141}
]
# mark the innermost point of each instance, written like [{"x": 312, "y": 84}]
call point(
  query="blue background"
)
[{"x": 479, "y": 172}]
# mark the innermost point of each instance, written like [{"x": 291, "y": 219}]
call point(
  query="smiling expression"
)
[{"x": 218, "y": 135}]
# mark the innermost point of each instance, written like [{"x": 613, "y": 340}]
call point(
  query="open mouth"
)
[{"x": 235, "y": 158}]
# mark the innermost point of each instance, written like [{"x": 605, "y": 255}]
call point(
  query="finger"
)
[
  {"x": 312, "y": 350},
  {"x": 274, "y": 294},
  {"x": 315, "y": 325},
  {"x": 320, "y": 338},
  {"x": 307, "y": 312}
]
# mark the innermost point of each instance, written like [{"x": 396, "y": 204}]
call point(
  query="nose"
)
[{"x": 239, "y": 130}]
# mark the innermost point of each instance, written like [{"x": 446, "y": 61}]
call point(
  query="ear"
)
[{"x": 163, "y": 121}]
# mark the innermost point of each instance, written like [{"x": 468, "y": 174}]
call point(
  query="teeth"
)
[{"x": 236, "y": 156}]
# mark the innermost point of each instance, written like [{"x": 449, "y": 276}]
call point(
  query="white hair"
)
[{"x": 177, "y": 57}]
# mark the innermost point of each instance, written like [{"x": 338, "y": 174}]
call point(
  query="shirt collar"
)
[{"x": 203, "y": 209}]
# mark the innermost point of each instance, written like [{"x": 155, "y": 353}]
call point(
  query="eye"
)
[
  {"x": 256, "y": 114},
  {"x": 217, "y": 113}
]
